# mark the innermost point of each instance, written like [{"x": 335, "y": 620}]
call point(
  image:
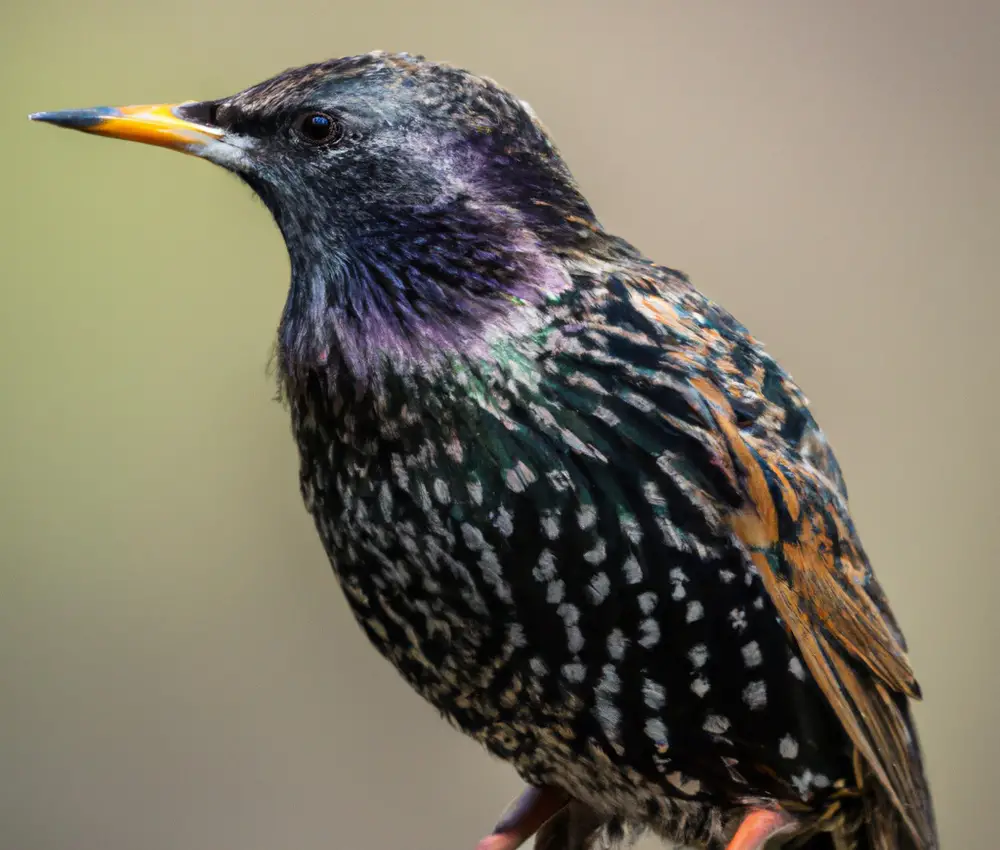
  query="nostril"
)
[{"x": 204, "y": 112}]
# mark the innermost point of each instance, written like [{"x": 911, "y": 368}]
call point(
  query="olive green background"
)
[{"x": 178, "y": 670}]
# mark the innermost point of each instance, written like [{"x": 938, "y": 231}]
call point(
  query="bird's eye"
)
[{"x": 318, "y": 128}]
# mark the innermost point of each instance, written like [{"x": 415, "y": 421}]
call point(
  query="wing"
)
[{"x": 795, "y": 525}]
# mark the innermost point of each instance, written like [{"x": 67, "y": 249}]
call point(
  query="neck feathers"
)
[{"x": 440, "y": 283}]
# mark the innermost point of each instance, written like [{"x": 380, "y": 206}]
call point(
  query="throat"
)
[{"x": 414, "y": 295}]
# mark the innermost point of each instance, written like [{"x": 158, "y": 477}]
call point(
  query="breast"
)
[{"x": 573, "y": 610}]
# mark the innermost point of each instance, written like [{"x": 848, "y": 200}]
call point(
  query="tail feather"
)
[
  {"x": 874, "y": 822},
  {"x": 886, "y": 827}
]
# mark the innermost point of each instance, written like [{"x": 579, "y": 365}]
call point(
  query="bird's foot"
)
[
  {"x": 758, "y": 827},
  {"x": 524, "y": 817}
]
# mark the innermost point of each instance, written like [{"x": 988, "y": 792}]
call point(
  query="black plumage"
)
[{"x": 572, "y": 500}]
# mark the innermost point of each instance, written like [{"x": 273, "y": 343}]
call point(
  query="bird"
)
[{"x": 572, "y": 500}]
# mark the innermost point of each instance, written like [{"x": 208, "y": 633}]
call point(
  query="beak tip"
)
[{"x": 75, "y": 119}]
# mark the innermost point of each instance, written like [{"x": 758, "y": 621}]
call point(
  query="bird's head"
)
[{"x": 425, "y": 209}]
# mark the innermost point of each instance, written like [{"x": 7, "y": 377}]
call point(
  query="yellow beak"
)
[{"x": 160, "y": 124}]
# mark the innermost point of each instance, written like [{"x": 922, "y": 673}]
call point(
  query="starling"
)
[{"x": 572, "y": 500}]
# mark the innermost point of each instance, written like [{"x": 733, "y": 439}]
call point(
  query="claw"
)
[
  {"x": 524, "y": 817},
  {"x": 759, "y": 827}
]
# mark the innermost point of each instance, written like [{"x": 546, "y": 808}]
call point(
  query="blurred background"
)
[{"x": 178, "y": 670}]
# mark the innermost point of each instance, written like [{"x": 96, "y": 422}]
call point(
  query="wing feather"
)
[
  {"x": 795, "y": 526},
  {"x": 800, "y": 539}
]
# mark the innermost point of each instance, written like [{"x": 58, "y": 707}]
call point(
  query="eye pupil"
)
[
  {"x": 319, "y": 124},
  {"x": 317, "y": 127}
]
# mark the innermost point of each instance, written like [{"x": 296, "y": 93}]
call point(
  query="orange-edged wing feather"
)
[{"x": 796, "y": 528}]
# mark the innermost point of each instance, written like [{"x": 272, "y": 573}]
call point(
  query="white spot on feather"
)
[
  {"x": 755, "y": 695},
  {"x": 695, "y": 611},
  {"x": 546, "y": 569},
  {"x": 633, "y": 572},
  {"x": 473, "y": 537},
  {"x": 504, "y": 522},
  {"x": 515, "y": 635},
  {"x": 559, "y": 479},
  {"x": 441, "y": 492},
  {"x": 599, "y": 588},
  {"x": 698, "y": 655},
  {"x": 716, "y": 724},
  {"x": 555, "y": 591},
  {"x": 751, "y": 654},
  {"x": 650, "y": 633},
  {"x": 653, "y": 694},
  {"x": 550, "y": 525},
  {"x": 630, "y": 526},
  {"x": 520, "y": 477},
  {"x": 788, "y": 747},
  {"x": 617, "y": 644},
  {"x": 656, "y": 730},
  {"x": 796, "y": 669},
  {"x": 475, "y": 489},
  {"x": 597, "y": 554}
]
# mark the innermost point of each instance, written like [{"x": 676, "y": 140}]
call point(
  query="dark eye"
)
[{"x": 318, "y": 128}]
